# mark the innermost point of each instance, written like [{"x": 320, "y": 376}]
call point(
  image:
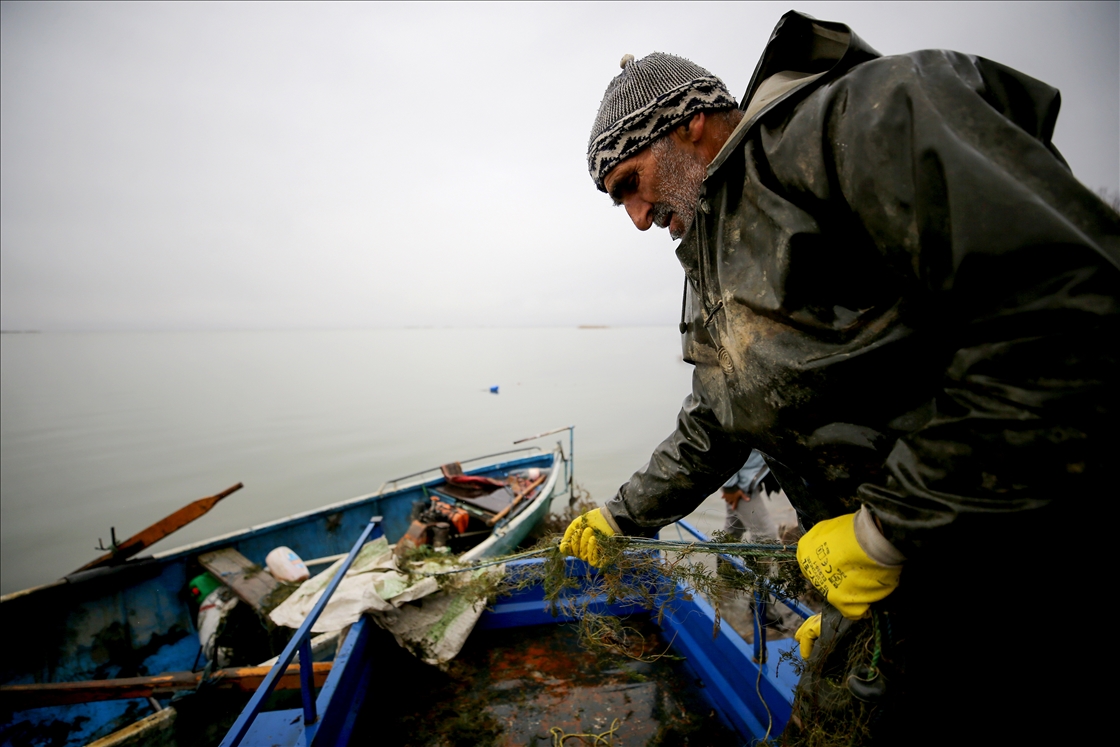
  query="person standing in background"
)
[{"x": 744, "y": 495}]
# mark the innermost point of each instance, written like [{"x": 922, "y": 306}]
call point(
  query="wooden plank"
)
[
  {"x": 157, "y": 730},
  {"x": 165, "y": 526},
  {"x": 252, "y": 584},
  {"x": 242, "y": 679},
  {"x": 518, "y": 496}
]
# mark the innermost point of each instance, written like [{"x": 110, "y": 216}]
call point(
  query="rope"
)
[
  {"x": 722, "y": 548},
  {"x": 715, "y": 548},
  {"x": 606, "y": 737},
  {"x": 761, "y": 699},
  {"x": 873, "y": 670},
  {"x": 497, "y": 561}
]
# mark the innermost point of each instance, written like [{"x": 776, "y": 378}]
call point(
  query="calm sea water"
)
[{"x": 120, "y": 429}]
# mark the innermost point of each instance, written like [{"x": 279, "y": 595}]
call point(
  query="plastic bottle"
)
[{"x": 285, "y": 565}]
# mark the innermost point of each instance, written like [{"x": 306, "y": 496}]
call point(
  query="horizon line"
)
[{"x": 78, "y": 330}]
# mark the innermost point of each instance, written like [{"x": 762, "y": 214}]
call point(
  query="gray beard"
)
[{"x": 679, "y": 176}]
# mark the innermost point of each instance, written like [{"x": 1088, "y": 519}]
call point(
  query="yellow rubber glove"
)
[
  {"x": 839, "y": 565},
  {"x": 808, "y": 634},
  {"x": 581, "y": 538}
]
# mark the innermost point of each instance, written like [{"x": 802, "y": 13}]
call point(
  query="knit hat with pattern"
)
[{"x": 649, "y": 98}]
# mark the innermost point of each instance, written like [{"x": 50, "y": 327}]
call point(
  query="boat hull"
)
[
  {"x": 522, "y": 675},
  {"x": 136, "y": 620}
]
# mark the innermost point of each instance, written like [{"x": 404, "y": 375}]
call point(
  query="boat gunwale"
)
[
  {"x": 183, "y": 551},
  {"x": 257, "y": 528},
  {"x": 381, "y": 490},
  {"x": 543, "y": 497},
  {"x": 748, "y": 697}
]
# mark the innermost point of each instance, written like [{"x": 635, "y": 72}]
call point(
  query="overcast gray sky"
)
[{"x": 295, "y": 165}]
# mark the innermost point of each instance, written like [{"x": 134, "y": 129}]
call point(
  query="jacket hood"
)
[{"x": 799, "y": 43}]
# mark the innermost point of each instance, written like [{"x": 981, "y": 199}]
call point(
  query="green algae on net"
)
[
  {"x": 514, "y": 696},
  {"x": 651, "y": 575},
  {"x": 640, "y": 573}
]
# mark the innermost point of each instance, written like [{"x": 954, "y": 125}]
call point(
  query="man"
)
[
  {"x": 899, "y": 294},
  {"x": 743, "y": 495}
]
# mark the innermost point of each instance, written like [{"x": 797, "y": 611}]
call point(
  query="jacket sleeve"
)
[
  {"x": 944, "y": 163},
  {"x": 689, "y": 465}
]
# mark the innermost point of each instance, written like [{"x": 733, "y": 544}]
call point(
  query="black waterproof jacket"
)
[{"x": 899, "y": 294}]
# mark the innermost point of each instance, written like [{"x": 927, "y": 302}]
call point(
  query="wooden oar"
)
[
  {"x": 517, "y": 499},
  {"x": 165, "y": 526},
  {"x": 244, "y": 679}
]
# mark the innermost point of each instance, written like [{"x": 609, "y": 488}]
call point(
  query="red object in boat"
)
[{"x": 455, "y": 515}]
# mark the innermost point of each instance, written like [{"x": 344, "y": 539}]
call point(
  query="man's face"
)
[{"x": 659, "y": 185}]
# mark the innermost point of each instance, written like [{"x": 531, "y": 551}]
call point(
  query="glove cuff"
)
[
  {"x": 614, "y": 524},
  {"x": 872, "y": 541}
]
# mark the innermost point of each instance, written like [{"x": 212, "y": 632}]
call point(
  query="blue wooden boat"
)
[
  {"x": 524, "y": 678},
  {"x": 137, "y": 619}
]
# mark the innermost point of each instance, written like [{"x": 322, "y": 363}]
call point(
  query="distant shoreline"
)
[{"x": 411, "y": 328}]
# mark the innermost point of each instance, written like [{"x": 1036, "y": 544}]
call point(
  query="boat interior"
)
[{"x": 137, "y": 619}]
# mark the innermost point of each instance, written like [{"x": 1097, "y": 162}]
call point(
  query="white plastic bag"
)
[{"x": 211, "y": 613}]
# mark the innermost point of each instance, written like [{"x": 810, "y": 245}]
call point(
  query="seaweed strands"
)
[
  {"x": 651, "y": 575},
  {"x": 637, "y": 573}
]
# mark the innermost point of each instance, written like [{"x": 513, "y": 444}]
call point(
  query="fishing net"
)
[
  {"x": 644, "y": 575},
  {"x": 651, "y": 575}
]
